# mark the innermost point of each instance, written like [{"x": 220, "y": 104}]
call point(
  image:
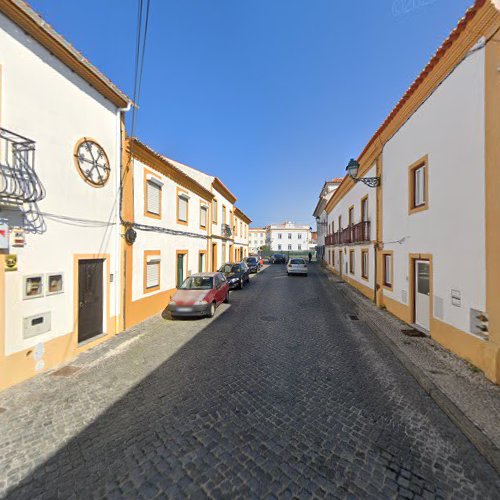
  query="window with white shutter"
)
[
  {"x": 153, "y": 272},
  {"x": 153, "y": 197},
  {"x": 182, "y": 208},
  {"x": 203, "y": 216}
]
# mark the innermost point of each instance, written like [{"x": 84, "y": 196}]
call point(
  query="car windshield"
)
[
  {"x": 297, "y": 261},
  {"x": 230, "y": 268},
  {"x": 252, "y": 260},
  {"x": 198, "y": 283}
]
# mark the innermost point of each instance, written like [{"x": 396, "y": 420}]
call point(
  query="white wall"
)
[
  {"x": 353, "y": 198},
  {"x": 449, "y": 128},
  {"x": 48, "y": 103},
  {"x": 298, "y": 237}
]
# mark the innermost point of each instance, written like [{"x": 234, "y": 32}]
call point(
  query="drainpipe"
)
[{"x": 118, "y": 188}]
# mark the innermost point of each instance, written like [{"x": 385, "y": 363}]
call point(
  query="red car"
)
[{"x": 199, "y": 295}]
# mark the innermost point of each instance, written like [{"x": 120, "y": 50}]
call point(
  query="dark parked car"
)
[
  {"x": 253, "y": 264},
  {"x": 199, "y": 295},
  {"x": 278, "y": 258},
  {"x": 237, "y": 275}
]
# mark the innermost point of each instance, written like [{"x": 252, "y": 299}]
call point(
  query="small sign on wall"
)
[
  {"x": 11, "y": 262},
  {"x": 17, "y": 237},
  {"x": 4, "y": 236},
  {"x": 456, "y": 298}
]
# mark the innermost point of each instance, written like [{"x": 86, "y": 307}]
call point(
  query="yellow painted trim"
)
[
  {"x": 147, "y": 213},
  {"x": 422, "y": 162},
  {"x": 367, "y": 270},
  {"x": 186, "y": 254},
  {"x": 492, "y": 199},
  {"x": 482, "y": 20},
  {"x": 56, "y": 45},
  {"x": 215, "y": 209},
  {"x": 150, "y": 253},
  {"x": 481, "y": 353},
  {"x": 400, "y": 310},
  {"x": 202, "y": 252},
  {"x": 385, "y": 285},
  {"x": 179, "y": 192}
]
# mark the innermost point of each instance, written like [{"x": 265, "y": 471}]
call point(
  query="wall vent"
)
[{"x": 438, "y": 307}]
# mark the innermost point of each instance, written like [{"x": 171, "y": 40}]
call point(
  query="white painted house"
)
[
  {"x": 430, "y": 251},
  {"x": 60, "y": 150},
  {"x": 257, "y": 239},
  {"x": 288, "y": 237},
  {"x": 321, "y": 216}
]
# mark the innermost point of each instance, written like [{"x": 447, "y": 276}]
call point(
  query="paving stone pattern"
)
[{"x": 281, "y": 395}]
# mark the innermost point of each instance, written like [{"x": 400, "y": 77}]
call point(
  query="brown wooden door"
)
[{"x": 90, "y": 298}]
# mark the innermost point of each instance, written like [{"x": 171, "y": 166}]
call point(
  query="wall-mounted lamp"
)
[
  {"x": 352, "y": 169},
  {"x": 319, "y": 223}
]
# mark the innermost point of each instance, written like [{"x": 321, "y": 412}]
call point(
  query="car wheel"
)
[
  {"x": 226, "y": 300},
  {"x": 211, "y": 311}
]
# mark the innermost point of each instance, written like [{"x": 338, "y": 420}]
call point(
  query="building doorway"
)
[
  {"x": 214, "y": 257},
  {"x": 90, "y": 298},
  {"x": 181, "y": 267},
  {"x": 422, "y": 294}
]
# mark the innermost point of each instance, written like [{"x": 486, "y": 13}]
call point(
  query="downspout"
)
[{"x": 118, "y": 187}]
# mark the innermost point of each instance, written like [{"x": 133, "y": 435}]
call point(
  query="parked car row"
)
[
  {"x": 278, "y": 258},
  {"x": 200, "y": 294}
]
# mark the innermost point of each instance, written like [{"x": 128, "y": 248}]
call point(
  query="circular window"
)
[{"x": 92, "y": 162}]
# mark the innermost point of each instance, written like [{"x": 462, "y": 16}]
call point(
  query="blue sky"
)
[{"x": 272, "y": 96}]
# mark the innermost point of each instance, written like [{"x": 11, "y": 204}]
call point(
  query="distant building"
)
[
  {"x": 288, "y": 237},
  {"x": 256, "y": 238},
  {"x": 329, "y": 187}
]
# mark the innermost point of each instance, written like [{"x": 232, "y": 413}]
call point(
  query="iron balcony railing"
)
[
  {"x": 226, "y": 230},
  {"x": 357, "y": 233},
  {"x": 18, "y": 180}
]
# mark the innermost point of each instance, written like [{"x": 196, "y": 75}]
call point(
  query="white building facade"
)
[
  {"x": 61, "y": 132},
  {"x": 288, "y": 237},
  {"x": 430, "y": 255},
  {"x": 256, "y": 239},
  {"x": 321, "y": 216}
]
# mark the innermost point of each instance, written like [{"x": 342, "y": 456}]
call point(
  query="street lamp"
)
[{"x": 353, "y": 168}]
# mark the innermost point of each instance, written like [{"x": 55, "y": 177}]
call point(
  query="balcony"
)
[
  {"x": 226, "y": 230},
  {"x": 357, "y": 233},
  {"x": 18, "y": 180}
]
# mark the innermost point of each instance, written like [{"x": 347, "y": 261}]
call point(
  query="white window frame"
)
[{"x": 419, "y": 187}]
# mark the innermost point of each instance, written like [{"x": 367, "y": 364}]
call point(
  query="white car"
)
[{"x": 296, "y": 266}]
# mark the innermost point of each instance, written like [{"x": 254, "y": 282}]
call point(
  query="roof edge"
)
[{"x": 20, "y": 13}]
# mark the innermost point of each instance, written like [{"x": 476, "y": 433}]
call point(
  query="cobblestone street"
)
[{"x": 281, "y": 395}]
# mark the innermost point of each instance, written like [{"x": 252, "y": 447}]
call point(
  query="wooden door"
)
[{"x": 90, "y": 298}]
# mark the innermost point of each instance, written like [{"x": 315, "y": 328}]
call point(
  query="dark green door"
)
[{"x": 180, "y": 269}]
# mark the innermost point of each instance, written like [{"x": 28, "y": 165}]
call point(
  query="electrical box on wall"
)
[{"x": 36, "y": 325}]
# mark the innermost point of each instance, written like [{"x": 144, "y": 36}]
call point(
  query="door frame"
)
[
  {"x": 185, "y": 263},
  {"x": 106, "y": 319},
  {"x": 413, "y": 257}
]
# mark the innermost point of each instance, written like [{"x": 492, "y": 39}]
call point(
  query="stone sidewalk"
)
[{"x": 460, "y": 389}]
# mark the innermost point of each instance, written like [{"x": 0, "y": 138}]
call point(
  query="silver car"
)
[{"x": 296, "y": 266}]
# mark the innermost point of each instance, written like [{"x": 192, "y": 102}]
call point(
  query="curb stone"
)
[{"x": 473, "y": 433}]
